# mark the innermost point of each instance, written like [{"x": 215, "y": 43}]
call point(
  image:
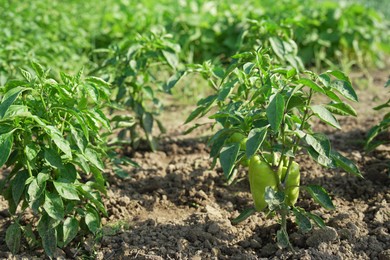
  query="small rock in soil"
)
[
  {"x": 244, "y": 243},
  {"x": 384, "y": 255},
  {"x": 182, "y": 244},
  {"x": 297, "y": 239},
  {"x": 213, "y": 212},
  {"x": 268, "y": 250},
  {"x": 123, "y": 201},
  {"x": 255, "y": 244},
  {"x": 213, "y": 228},
  {"x": 60, "y": 254},
  {"x": 202, "y": 194},
  {"x": 327, "y": 234}
]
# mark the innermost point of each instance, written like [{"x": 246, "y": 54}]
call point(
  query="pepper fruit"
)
[
  {"x": 238, "y": 138},
  {"x": 241, "y": 139},
  {"x": 292, "y": 183},
  {"x": 261, "y": 175},
  {"x": 244, "y": 161}
]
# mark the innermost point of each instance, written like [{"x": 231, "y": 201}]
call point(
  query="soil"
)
[{"x": 175, "y": 207}]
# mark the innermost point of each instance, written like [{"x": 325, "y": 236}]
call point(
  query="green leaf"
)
[
  {"x": 333, "y": 96},
  {"x": 8, "y": 99},
  {"x": 68, "y": 173},
  {"x": 373, "y": 145},
  {"x": 275, "y": 111},
  {"x": 93, "y": 157},
  {"x": 13, "y": 236},
  {"x": 255, "y": 139},
  {"x": 30, "y": 236},
  {"x": 148, "y": 92},
  {"x": 66, "y": 190},
  {"x": 345, "y": 89},
  {"x": 345, "y": 163},
  {"x": 172, "y": 81},
  {"x": 98, "y": 116},
  {"x": 99, "y": 183},
  {"x": 311, "y": 84},
  {"x": 53, "y": 158},
  {"x": 302, "y": 221},
  {"x": 97, "y": 81},
  {"x": 217, "y": 145},
  {"x": 317, "y": 219},
  {"x": 278, "y": 47},
  {"x": 325, "y": 116},
  {"x": 341, "y": 109},
  {"x": 387, "y": 84},
  {"x": 338, "y": 74},
  {"x": 147, "y": 122},
  {"x": 53, "y": 205},
  {"x": 35, "y": 193},
  {"x": 382, "y": 106},
  {"x": 171, "y": 58},
  {"x": 70, "y": 229},
  {"x": 31, "y": 150},
  {"x": 79, "y": 139},
  {"x": 319, "y": 142},
  {"x": 81, "y": 122},
  {"x": 374, "y": 131},
  {"x": 282, "y": 238},
  {"x": 43, "y": 177},
  {"x": 194, "y": 114},
  {"x": 6, "y": 142},
  {"x": 93, "y": 93},
  {"x": 48, "y": 234},
  {"x": 244, "y": 215},
  {"x": 325, "y": 79},
  {"x": 27, "y": 75},
  {"x": 61, "y": 143},
  {"x": 291, "y": 73},
  {"x": 82, "y": 162},
  {"x": 274, "y": 199},
  {"x": 17, "y": 111},
  {"x": 295, "y": 101},
  {"x": 92, "y": 219},
  {"x": 7, "y": 193},
  {"x": 320, "y": 196},
  {"x": 88, "y": 193},
  {"x": 225, "y": 90},
  {"x": 228, "y": 157},
  {"x": 38, "y": 69},
  {"x": 18, "y": 184},
  {"x": 321, "y": 159}
]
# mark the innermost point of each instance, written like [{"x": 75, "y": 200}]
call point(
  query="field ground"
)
[{"x": 175, "y": 207}]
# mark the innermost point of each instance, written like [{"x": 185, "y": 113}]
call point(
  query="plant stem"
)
[
  {"x": 284, "y": 213},
  {"x": 297, "y": 139}
]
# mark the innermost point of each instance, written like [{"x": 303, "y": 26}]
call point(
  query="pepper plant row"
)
[{"x": 56, "y": 129}]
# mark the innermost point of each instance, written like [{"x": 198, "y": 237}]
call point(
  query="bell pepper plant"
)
[{"x": 265, "y": 112}]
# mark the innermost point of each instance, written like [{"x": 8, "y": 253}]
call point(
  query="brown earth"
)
[{"x": 175, "y": 207}]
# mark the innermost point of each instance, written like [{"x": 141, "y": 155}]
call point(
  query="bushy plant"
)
[
  {"x": 135, "y": 69},
  {"x": 52, "y": 150}
]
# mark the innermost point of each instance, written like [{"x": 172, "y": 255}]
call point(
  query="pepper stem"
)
[{"x": 284, "y": 214}]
